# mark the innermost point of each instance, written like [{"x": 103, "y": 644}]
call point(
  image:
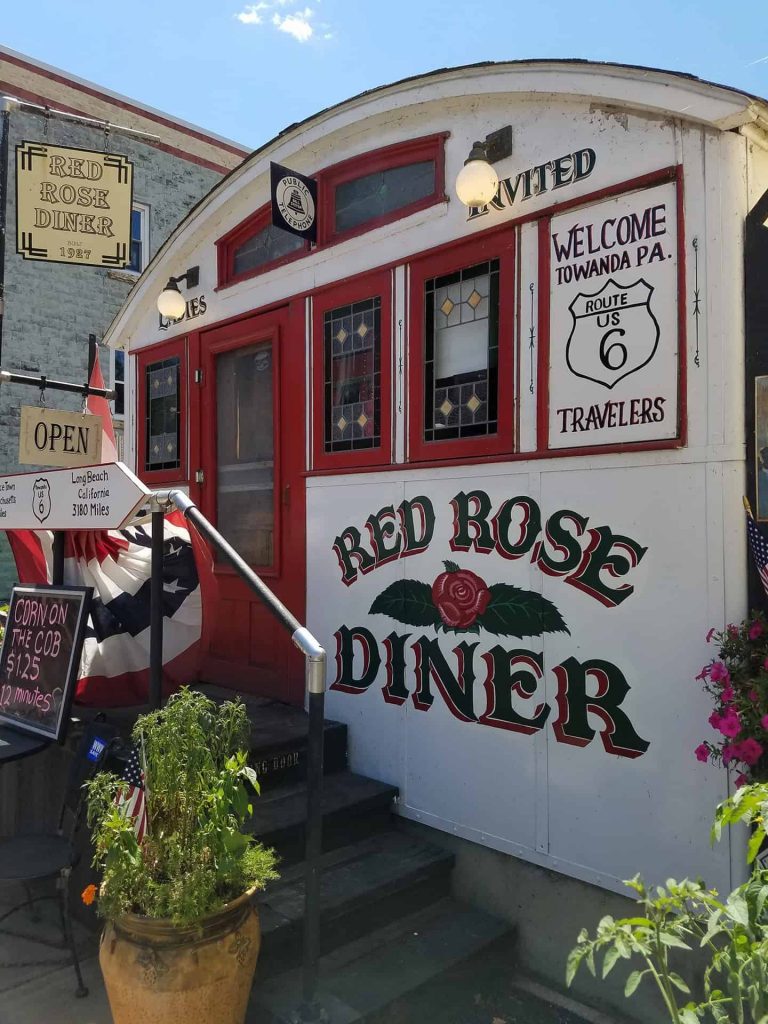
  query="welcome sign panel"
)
[
  {"x": 613, "y": 373},
  {"x": 505, "y": 648}
]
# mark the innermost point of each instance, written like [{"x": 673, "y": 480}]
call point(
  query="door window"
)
[{"x": 246, "y": 451}]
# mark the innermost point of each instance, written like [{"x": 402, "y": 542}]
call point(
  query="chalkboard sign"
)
[{"x": 40, "y": 659}]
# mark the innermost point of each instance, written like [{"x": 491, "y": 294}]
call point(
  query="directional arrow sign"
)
[{"x": 90, "y": 498}]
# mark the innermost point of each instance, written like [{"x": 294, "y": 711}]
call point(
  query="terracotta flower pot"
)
[{"x": 156, "y": 972}]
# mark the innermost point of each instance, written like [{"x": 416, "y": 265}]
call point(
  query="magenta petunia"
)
[
  {"x": 741, "y": 780},
  {"x": 730, "y": 724},
  {"x": 754, "y": 696},
  {"x": 764, "y": 722},
  {"x": 728, "y": 695},
  {"x": 733, "y": 630},
  {"x": 710, "y": 634},
  {"x": 729, "y": 754},
  {"x": 718, "y": 672},
  {"x": 704, "y": 673},
  {"x": 714, "y": 720},
  {"x": 702, "y": 753},
  {"x": 756, "y": 630},
  {"x": 750, "y": 751}
]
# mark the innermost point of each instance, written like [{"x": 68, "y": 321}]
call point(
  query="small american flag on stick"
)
[
  {"x": 758, "y": 546},
  {"x": 131, "y": 797}
]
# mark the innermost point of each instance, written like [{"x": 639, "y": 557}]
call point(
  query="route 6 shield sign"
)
[
  {"x": 614, "y": 332},
  {"x": 41, "y": 499}
]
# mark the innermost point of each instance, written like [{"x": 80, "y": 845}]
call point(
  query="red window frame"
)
[
  {"x": 228, "y": 244},
  {"x": 355, "y": 289},
  {"x": 500, "y": 246},
  {"x": 430, "y": 147},
  {"x": 173, "y": 348}
]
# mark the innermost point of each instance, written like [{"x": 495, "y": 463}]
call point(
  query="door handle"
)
[{"x": 287, "y": 495}]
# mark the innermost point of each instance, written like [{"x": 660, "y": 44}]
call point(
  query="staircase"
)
[{"x": 389, "y": 927}]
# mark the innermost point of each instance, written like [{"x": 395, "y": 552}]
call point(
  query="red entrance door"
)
[{"x": 252, "y": 452}]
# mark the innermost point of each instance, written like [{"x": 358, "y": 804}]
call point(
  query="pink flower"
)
[
  {"x": 714, "y": 720},
  {"x": 729, "y": 754},
  {"x": 764, "y": 722},
  {"x": 730, "y": 724},
  {"x": 728, "y": 695},
  {"x": 754, "y": 696},
  {"x": 702, "y": 753},
  {"x": 741, "y": 780},
  {"x": 710, "y": 634},
  {"x": 718, "y": 672},
  {"x": 750, "y": 751},
  {"x": 733, "y": 630},
  {"x": 705, "y": 672},
  {"x": 755, "y": 630}
]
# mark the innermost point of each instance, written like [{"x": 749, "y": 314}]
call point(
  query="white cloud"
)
[{"x": 296, "y": 25}]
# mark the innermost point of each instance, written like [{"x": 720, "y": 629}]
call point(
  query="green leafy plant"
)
[
  {"x": 683, "y": 915},
  {"x": 194, "y": 857}
]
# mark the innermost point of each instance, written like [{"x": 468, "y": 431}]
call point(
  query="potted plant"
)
[
  {"x": 737, "y": 681},
  {"x": 182, "y": 932}
]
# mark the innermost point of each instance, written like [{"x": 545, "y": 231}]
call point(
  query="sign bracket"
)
[{"x": 43, "y": 383}]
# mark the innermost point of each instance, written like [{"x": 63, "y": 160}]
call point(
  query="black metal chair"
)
[{"x": 27, "y": 860}]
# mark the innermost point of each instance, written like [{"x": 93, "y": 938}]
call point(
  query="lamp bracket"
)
[
  {"x": 498, "y": 144},
  {"x": 192, "y": 277}
]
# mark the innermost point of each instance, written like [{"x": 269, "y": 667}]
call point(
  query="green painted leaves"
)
[{"x": 459, "y": 601}]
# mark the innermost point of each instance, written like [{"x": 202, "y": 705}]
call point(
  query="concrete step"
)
[
  {"x": 278, "y": 740},
  {"x": 353, "y": 807},
  {"x": 366, "y": 979},
  {"x": 364, "y": 886}
]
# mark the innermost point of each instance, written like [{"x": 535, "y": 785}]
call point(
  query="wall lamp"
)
[
  {"x": 170, "y": 301},
  {"x": 477, "y": 181}
]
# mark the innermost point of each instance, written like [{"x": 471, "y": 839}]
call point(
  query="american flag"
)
[
  {"x": 759, "y": 548},
  {"x": 131, "y": 798}
]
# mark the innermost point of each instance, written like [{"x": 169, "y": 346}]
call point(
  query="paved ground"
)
[{"x": 45, "y": 993}]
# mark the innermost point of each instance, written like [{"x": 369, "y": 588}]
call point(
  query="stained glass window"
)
[
  {"x": 246, "y": 452},
  {"x": 162, "y": 384},
  {"x": 352, "y": 376},
  {"x": 374, "y": 195},
  {"x": 461, "y": 353},
  {"x": 264, "y": 247}
]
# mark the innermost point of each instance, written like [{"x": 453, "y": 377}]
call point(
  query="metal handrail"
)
[{"x": 314, "y": 660}]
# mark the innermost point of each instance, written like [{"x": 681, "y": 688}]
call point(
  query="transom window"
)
[
  {"x": 373, "y": 196},
  {"x": 352, "y": 376},
  {"x": 267, "y": 246},
  {"x": 461, "y": 348}
]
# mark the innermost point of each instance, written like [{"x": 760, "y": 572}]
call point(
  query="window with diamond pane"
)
[
  {"x": 162, "y": 405},
  {"x": 461, "y": 353},
  {"x": 264, "y": 247},
  {"x": 246, "y": 451},
  {"x": 375, "y": 195},
  {"x": 352, "y": 376}
]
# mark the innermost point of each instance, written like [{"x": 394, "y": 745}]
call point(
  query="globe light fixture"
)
[
  {"x": 170, "y": 302},
  {"x": 477, "y": 181}
]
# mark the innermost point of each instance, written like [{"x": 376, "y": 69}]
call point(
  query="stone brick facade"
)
[{"x": 51, "y": 308}]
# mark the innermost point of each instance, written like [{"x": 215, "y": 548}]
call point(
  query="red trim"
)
[
  {"x": 174, "y": 347},
  {"x": 355, "y": 290},
  {"x": 682, "y": 333},
  {"x": 228, "y": 244},
  {"x": 413, "y": 151},
  {"x": 123, "y": 104},
  {"x": 465, "y": 253},
  {"x": 430, "y": 147},
  {"x": 544, "y": 296}
]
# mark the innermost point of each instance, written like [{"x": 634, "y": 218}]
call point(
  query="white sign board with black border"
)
[
  {"x": 40, "y": 658},
  {"x": 614, "y": 347},
  {"x": 294, "y": 202}
]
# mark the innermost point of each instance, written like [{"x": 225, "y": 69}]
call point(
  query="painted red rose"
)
[{"x": 460, "y": 596}]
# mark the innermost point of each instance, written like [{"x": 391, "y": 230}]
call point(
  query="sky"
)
[{"x": 248, "y": 70}]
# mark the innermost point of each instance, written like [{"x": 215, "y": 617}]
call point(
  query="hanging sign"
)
[
  {"x": 41, "y": 657},
  {"x": 73, "y": 205},
  {"x": 92, "y": 498},
  {"x": 294, "y": 202},
  {"x": 53, "y": 437},
  {"x": 614, "y": 348}
]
